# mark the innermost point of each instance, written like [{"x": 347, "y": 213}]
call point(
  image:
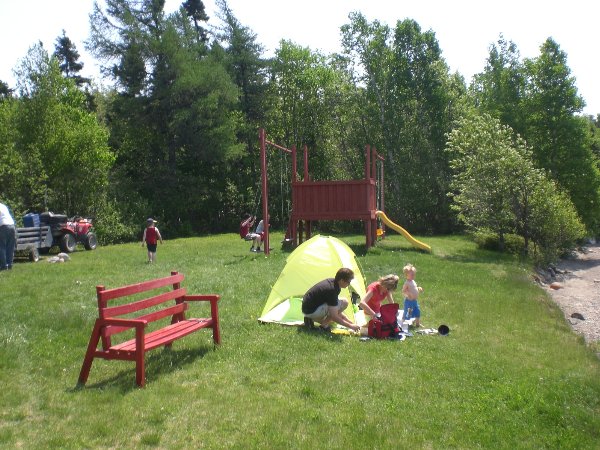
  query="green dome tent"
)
[{"x": 314, "y": 260}]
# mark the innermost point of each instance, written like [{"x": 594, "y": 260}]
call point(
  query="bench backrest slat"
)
[
  {"x": 151, "y": 317},
  {"x": 170, "y": 311},
  {"x": 105, "y": 295},
  {"x": 114, "y": 311},
  {"x": 146, "y": 306}
]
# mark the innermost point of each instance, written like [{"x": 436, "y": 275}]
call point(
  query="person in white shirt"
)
[
  {"x": 8, "y": 238},
  {"x": 258, "y": 236}
]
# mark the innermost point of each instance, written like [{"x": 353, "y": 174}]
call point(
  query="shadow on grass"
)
[
  {"x": 157, "y": 363},
  {"x": 243, "y": 258},
  {"x": 361, "y": 250},
  {"x": 317, "y": 333},
  {"x": 358, "y": 249},
  {"x": 240, "y": 259},
  {"x": 482, "y": 257}
]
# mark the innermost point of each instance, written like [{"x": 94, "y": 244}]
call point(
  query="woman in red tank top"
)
[{"x": 378, "y": 291}]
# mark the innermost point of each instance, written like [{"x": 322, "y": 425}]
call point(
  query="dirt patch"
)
[{"x": 575, "y": 287}]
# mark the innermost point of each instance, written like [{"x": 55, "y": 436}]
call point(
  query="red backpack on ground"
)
[{"x": 387, "y": 325}]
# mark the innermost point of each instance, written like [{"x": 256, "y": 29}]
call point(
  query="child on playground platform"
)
[
  {"x": 411, "y": 292},
  {"x": 378, "y": 291},
  {"x": 151, "y": 237}
]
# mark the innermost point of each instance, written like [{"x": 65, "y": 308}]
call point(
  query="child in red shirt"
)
[
  {"x": 151, "y": 237},
  {"x": 377, "y": 292}
]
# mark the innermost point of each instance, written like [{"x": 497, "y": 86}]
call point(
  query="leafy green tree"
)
[
  {"x": 13, "y": 170},
  {"x": 500, "y": 89},
  {"x": 483, "y": 183},
  {"x": 62, "y": 149},
  {"x": 496, "y": 187},
  {"x": 240, "y": 54},
  {"x": 555, "y": 226},
  {"x": 5, "y": 90},
  {"x": 367, "y": 53},
  {"x": 301, "y": 111},
  {"x": 174, "y": 119},
  {"x": 559, "y": 138},
  {"x": 593, "y": 125},
  {"x": 413, "y": 101},
  {"x": 308, "y": 89}
]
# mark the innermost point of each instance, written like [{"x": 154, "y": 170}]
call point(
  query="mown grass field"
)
[{"x": 511, "y": 374}]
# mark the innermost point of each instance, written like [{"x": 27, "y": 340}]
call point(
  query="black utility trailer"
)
[{"x": 30, "y": 240}]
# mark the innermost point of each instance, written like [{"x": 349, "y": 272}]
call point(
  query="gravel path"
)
[{"x": 578, "y": 293}]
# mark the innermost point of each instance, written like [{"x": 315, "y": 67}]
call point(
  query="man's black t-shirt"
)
[{"x": 326, "y": 291}]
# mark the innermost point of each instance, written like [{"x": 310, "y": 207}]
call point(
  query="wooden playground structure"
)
[{"x": 326, "y": 200}]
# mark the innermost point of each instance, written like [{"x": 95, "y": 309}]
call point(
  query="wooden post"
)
[
  {"x": 367, "y": 160},
  {"x": 382, "y": 193},
  {"x": 294, "y": 164},
  {"x": 306, "y": 177},
  {"x": 264, "y": 186},
  {"x": 293, "y": 223}
]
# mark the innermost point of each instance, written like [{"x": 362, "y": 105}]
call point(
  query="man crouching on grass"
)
[{"x": 321, "y": 302}]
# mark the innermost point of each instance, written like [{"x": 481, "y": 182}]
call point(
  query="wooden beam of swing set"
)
[
  {"x": 264, "y": 183},
  {"x": 278, "y": 146}
]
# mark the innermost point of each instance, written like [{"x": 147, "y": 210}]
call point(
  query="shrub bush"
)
[
  {"x": 112, "y": 228},
  {"x": 488, "y": 240}
]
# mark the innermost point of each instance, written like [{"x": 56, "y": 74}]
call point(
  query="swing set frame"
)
[{"x": 327, "y": 200}]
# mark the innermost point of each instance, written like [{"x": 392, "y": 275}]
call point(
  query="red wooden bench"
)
[{"x": 144, "y": 318}]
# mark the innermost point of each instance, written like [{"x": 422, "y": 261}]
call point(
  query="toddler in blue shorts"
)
[{"x": 411, "y": 292}]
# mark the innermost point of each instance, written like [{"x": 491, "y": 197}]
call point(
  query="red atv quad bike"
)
[
  {"x": 74, "y": 231},
  {"x": 67, "y": 233}
]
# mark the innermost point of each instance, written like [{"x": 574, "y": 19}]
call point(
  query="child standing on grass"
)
[
  {"x": 151, "y": 237},
  {"x": 411, "y": 292}
]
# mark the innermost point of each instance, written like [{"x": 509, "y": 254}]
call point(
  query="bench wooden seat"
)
[{"x": 117, "y": 319}]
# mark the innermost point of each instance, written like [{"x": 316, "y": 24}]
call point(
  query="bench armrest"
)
[{"x": 214, "y": 310}]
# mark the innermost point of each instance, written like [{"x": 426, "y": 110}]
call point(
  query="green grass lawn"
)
[{"x": 511, "y": 374}]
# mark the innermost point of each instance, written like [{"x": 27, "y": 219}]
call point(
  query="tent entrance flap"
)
[{"x": 288, "y": 312}]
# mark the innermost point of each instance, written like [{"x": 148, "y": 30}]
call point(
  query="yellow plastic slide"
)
[{"x": 403, "y": 232}]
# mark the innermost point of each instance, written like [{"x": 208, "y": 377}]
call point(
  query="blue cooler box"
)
[{"x": 31, "y": 220}]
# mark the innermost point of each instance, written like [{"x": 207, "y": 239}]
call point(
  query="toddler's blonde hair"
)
[{"x": 409, "y": 268}]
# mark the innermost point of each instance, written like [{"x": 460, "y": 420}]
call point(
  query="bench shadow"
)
[{"x": 159, "y": 362}]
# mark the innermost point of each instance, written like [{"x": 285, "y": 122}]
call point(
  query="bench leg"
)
[
  {"x": 216, "y": 332},
  {"x": 214, "y": 313},
  {"x": 140, "y": 365},
  {"x": 140, "y": 370},
  {"x": 89, "y": 355}
]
